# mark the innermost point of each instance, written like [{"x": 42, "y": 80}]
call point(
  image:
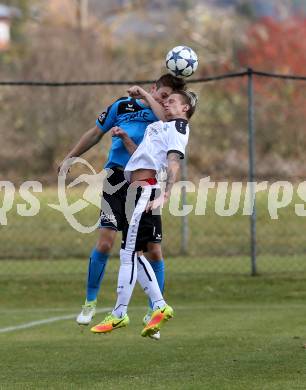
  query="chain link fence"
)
[{"x": 243, "y": 120}]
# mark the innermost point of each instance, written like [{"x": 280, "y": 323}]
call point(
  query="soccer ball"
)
[{"x": 181, "y": 61}]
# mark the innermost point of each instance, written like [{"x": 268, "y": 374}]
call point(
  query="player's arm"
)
[
  {"x": 173, "y": 170},
  {"x": 86, "y": 142},
  {"x": 127, "y": 141},
  {"x": 139, "y": 93},
  {"x": 104, "y": 123},
  {"x": 177, "y": 142}
]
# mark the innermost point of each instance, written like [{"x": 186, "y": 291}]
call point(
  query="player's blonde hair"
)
[{"x": 190, "y": 98}]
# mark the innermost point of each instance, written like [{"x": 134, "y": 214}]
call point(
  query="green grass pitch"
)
[{"x": 230, "y": 331}]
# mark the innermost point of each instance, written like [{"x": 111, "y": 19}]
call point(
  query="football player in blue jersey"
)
[{"x": 133, "y": 114}]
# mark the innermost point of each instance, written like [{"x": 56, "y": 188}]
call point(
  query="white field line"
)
[
  {"x": 190, "y": 307},
  {"x": 45, "y": 321},
  {"x": 178, "y": 307},
  {"x": 38, "y": 310}
]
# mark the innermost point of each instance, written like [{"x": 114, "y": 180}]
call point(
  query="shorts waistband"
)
[{"x": 150, "y": 181}]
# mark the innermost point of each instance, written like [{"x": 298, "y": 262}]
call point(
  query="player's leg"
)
[
  {"x": 137, "y": 199},
  {"x": 127, "y": 276},
  {"x": 150, "y": 236},
  {"x": 148, "y": 281},
  {"x": 111, "y": 217},
  {"x": 128, "y": 265},
  {"x": 98, "y": 260},
  {"x": 154, "y": 255},
  {"x": 126, "y": 281},
  {"x": 96, "y": 268},
  {"x": 161, "y": 311}
]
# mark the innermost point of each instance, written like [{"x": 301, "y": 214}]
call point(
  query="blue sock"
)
[
  {"x": 159, "y": 270},
  {"x": 96, "y": 268}
]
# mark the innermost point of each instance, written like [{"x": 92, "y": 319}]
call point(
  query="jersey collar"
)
[{"x": 179, "y": 119}]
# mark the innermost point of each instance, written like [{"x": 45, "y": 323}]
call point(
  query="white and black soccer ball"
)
[{"x": 181, "y": 61}]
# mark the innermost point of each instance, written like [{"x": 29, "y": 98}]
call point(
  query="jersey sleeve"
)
[
  {"x": 106, "y": 120},
  {"x": 178, "y": 138}
]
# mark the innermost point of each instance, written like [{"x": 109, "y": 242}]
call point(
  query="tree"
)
[{"x": 278, "y": 46}]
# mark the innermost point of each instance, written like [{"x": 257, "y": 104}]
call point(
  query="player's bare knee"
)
[
  {"x": 154, "y": 252},
  {"x": 104, "y": 246},
  {"x": 106, "y": 240}
]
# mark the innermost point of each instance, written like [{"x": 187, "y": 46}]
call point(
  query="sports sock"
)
[
  {"x": 148, "y": 281},
  {"x": 159, "y": 270},
  {"x": 126, "y": 282},
  {"x": 96, "y": 268}
]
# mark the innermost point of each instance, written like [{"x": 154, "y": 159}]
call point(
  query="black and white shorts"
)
[
  {"x": 112, "y": 214},
  {"x": 141, "y": 227}
]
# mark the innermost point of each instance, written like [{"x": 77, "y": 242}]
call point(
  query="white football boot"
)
[{"x": 87, "y": 313}]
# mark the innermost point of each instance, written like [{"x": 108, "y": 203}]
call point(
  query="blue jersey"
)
[{"x": 133, "y": 117}]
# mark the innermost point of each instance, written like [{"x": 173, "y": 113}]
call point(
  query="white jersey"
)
[{"x": 159, "y": 140}]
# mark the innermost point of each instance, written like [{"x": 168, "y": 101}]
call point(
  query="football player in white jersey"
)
[{"x": 163, "y": 146}]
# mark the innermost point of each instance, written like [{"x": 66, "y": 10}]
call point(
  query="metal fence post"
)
[
  {"x": 185, "y": 227},
  {"x": 251, "y": 132}
]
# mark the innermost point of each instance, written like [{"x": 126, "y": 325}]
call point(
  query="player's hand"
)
[
  {"x": 64, "y": 168},
  {"x": 137, "y": 92},
  {"x": 118, "y": 132}
]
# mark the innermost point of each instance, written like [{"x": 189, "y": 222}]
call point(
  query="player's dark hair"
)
[
  {"x": 190, "y": 98},
  {"x": 167, "y": 80}
]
